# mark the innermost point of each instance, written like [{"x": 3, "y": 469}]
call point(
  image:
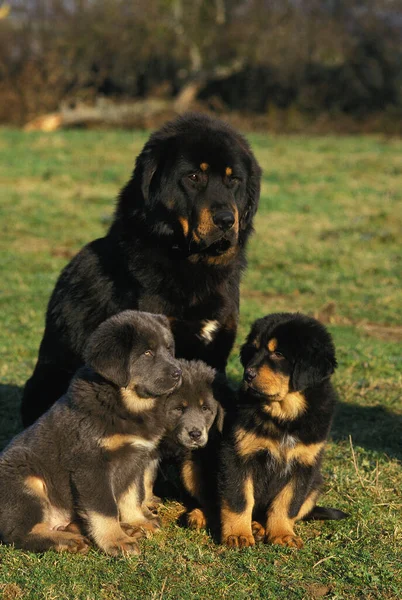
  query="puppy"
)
[
  {"x": 274, "y": 441},
  {"x": 88, "y": 458},
  {"x": 194, "y": 421}
]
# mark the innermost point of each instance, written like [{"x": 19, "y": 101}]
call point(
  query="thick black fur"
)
[
  {"x": 267, "y": 461},
  {"x": 164, "y": 253},
  {"x": 79, "y": 461}
]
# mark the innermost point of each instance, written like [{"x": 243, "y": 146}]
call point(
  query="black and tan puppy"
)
[
  {"x": 274, "y": 441},
  {"x": 176, "y": 247},
  {"x": 194, "y": 421},
  {"x": 88, "y": 458}
]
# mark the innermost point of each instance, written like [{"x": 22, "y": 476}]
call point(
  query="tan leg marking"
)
[
  {"x": 109, "y": 536},
  {"x": 279, "y": 528},
  {"x": 133, "y": 516},
  {"x": 185, "y": 226},
  {"x": 196, "y": 519},
  {"x": 151, "y": 501},
  {"x": 236, "y": 527},
  {"x": 308, "y": 505},
  {"x": 191, "y": 478}
]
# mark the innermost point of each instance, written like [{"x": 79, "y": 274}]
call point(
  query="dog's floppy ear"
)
[
  {"x": 311, "y": 369},
  {"x": 219, "y": 419},
  {"x": 108, "y": 353},
  {"x": 145, "y": 168},
  {"x": 252, "y": 195}
]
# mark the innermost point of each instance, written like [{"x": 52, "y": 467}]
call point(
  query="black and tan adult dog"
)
[
  {"x": 176, "y": 247},
  {"x": 274, "y": 441},
  {"x": 90, "y": 458}
]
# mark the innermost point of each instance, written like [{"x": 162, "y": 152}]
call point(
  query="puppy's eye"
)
[
  {"x": 205, "y": 408},
  {"x": 179, "y": 409},
  {"x": 234, "y": 180},
  {"x": 194, "y": 177},
  {"x": 148, "y": 353},
  {"x": 277, "y": 355}
]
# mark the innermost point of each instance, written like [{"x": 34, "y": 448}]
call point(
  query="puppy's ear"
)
[
  {"x": 219, "y": 419},
  {"x": 108, "y": 354},
  {"x": 252, "y": 194},
  {"x": 310, "y": 370}
]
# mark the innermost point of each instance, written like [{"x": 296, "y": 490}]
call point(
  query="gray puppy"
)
[
  {"x": 90, "y": 458},
  {"x": 194, "y": 421}
]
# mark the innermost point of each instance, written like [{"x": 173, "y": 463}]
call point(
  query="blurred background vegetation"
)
[{"x": 276, "y": 64}]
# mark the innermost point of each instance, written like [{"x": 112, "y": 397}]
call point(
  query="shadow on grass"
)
[{"x": 371, "y": 427}]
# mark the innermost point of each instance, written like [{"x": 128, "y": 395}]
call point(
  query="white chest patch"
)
[{"x": 208, "y": 330}]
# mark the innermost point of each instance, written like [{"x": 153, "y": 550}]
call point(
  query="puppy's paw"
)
[
  {"x": 239, "y": 541},
  {"x": 258, "y": 531},
  {"x": 123, "y": 546},
  {"x": 74, "y": 543},
  {"x": 286, "y": 539},
  {"x": 153, "y": 503},
  {"x": 141, "y": 528},
  {"x": 196, "y": 519}
]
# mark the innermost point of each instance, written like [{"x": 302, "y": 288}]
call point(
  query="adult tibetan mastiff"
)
[{"x": 176, "y": 246}]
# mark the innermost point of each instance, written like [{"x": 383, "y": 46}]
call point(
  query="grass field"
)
[{"x": 327, "y": 242}]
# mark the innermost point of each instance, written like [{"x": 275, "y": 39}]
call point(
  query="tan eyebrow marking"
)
[
  {"x": 272, "y": 344},
  {"x": 228, "y": 171},
  {"x": 204, "y": 166}
]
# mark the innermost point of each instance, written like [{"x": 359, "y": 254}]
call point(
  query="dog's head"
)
[
  {"x": 135, "y": 350},
  {"x": 192, "y": 410},
  {"x": 285, "y": 353},
  {"x": 195, "y": 187}
]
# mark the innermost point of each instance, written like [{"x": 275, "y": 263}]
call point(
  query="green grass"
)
[{"x": 327, "y": 242}]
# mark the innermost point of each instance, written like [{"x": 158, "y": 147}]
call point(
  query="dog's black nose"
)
[
  {"x": 224, "y": 219},
  {"x": 176, "y": 374},
  {"x": 249, "y": 374},
  {"x": 195, "y": 434}
]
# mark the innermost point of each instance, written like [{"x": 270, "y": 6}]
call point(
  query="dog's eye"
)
[
  {"x": 179, "y": 409},
  {"x": 277, "y": 355},
  {"x": 234, "y": 180},
  {"x": 193, "y": 177},
  {"x": 148, "y": 353},
  {"x": 205, "y": 408}
]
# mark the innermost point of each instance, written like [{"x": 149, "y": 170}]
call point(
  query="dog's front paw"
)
[
  {"x": 239, "y": 541},
  {"x": 196, "y": 519},
  {"x": 289, "y": 540},
  {"x": 258, "y": 531},
  {"x": 125, "y": 545}
]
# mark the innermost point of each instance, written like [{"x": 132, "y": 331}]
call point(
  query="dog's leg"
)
[
  {"x": 280, "y": 526},
  {"x": 151, "y": 501},
  {"x": 236, "y": 515},
  {"x": 134, "y": 516},
  {"x": 42, "y": 537},
  {"x": 97, "y": 508}
]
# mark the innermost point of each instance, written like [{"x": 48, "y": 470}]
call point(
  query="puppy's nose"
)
[
  {"x": 224, "y": 219},
  {"x": 249, "y": 374},
  {"x": 195, "y": 434},
  {"x": 176, "y": 374}
]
